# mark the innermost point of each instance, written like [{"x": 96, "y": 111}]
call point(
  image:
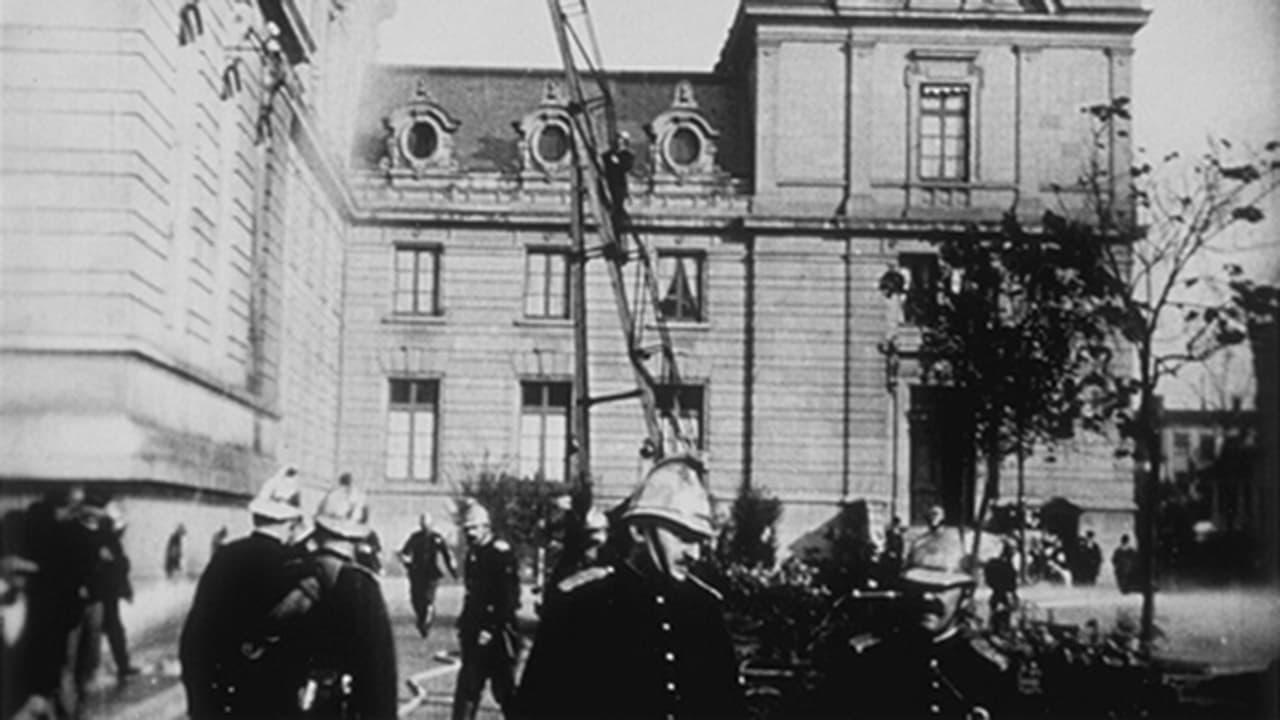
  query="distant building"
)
[
  {"x": 366, "y": 272},
  {"x": 777, "y": 189},
  {"x": 173, "y": 221}
]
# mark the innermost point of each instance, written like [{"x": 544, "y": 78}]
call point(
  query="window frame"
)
[
  {"x": 929, "y": 67},
  {"x": 415, "y": 407},
  {"x": 544, "y": 410},
  {"x": 417, "y": 251},
  {"x": 965, "y": 156},
  {"x": 699, "y": 257},
  {"x": 549, "y": 252}
]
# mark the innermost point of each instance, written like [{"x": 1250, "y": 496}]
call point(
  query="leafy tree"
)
[
  {"x": 1013, "y": 326},
  {"x": 1154, "y": 243}
]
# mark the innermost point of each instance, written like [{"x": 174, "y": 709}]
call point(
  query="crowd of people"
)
[
  {"x": 290, "y": 621},
  {"x": 63, "y": 574}
]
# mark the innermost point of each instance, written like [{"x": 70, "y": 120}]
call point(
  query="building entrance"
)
[{"x": 942, "y": 456}]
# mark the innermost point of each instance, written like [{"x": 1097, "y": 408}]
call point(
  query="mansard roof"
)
[{"x": 487, "y": 102}]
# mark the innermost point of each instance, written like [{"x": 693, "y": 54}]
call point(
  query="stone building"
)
[
  {"x": 777, "y": 188},
  {"x": 173, "y": 223},
  {"x": 234, "y": 248}
]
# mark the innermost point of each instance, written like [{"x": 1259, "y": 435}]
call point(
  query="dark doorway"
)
[{"x": 942, "y": 471}]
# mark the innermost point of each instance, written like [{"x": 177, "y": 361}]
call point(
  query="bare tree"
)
[{"x": 1154, "y": 286}]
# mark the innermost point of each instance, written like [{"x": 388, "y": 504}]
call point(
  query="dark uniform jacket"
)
[
  {"x": 344, "y": 630},
  {"x": 493, "y": 589},
  {"x": 913, "y": 675},
  {"x": 618, "y": 645},
  {"x": 227, "y": 621},
  {"x": 425, "y": 549}
]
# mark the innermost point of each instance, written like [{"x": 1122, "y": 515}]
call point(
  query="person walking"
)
[
  {"x": 641, "y": 637},
  {"x": 1124, "y": 561},
  {"x": 1002, "y": 578},
  {"x": 224, "y": 671},
  {"x": 486, "y": 626},
  {"x": 173, "y": 551},
  {"x": 422, "y": 554},
  {"x": 1090, "y": 559}
]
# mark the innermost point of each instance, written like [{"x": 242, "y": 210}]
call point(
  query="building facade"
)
[
  {"x": 173, "y": 225},
  {"x": 227, "y": 246},
  {"x": 827, "y": 144}
]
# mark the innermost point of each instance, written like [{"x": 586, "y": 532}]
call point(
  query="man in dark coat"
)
[
  {"x": 487, "y": 624},
  {"x": 221, "y": 642},
  {"x": 331, "y": 634},
  {"x": 642, "y": 637},
  {"x": 929, "y": 665},
  {"x": 114, "y": 587},
  {"x": 22, "y": 694},
  {"x": 1125, "y": 563},
  {"x": 423, "y": 553},
  {"x": 61, "y": 547}
]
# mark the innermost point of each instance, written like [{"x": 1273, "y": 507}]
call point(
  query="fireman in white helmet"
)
[{"x": 641, "y": 636}]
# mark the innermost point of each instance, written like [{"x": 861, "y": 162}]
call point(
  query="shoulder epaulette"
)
[
  {"x": 700, "y": 583},
  {"x": 502, "y": 545},
  {"x": 863, "y": 642},
  {"x": 989, "y": 652},
  {"x": 584, "y": 577},
  {"x": 364, "y": 569}
]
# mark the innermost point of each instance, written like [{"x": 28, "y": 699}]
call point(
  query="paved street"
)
[{"x": 1227, "y": 628}]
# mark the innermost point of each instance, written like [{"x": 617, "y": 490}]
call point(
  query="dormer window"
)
[
  {"x": 682, "y": 142},
  {"x": 684, "y": 147},
  {"x": 420, "y": 136},
  {"x": 552, "y": 144},
  {"x": 546, "y": 135},
  {"x": 421, "y": 140}
]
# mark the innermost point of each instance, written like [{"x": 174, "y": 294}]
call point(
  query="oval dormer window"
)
[
  {"x": 552, "y": 145},
  {"x": 421, "y": 141},
  {"x": 684, "y": 147}
]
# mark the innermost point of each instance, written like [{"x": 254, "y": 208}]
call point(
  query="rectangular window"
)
[
  {"x": 680, "y": 284},
  {"x": 686, "y": 403},
  {"x": 546, "y": 283},
  {"x": 1208, "y": 446},
  {"x": 924, "y": 274},
  {"x": 1182, "y": 444},
  {"x": 411, "y": 429},
  {"x": 944, "y": 132},
  {"x": 417, "y": 290},
  {"x": 544, "y": 429}
]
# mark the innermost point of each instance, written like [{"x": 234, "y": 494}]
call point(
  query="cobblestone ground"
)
[{"x": 1226, "y": 628}]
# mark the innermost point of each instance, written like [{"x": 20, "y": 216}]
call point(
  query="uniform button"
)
[
  {"x": 935, "y": 710},
  {"x": 671, "y": 657},
  {"x": 935, "y": 685},
  {"x": 933, "y": 663},
  {"x": 671, "y": 687},
  {"x": 666, "y": 627},
  {"x": 661, "y": 600}
]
